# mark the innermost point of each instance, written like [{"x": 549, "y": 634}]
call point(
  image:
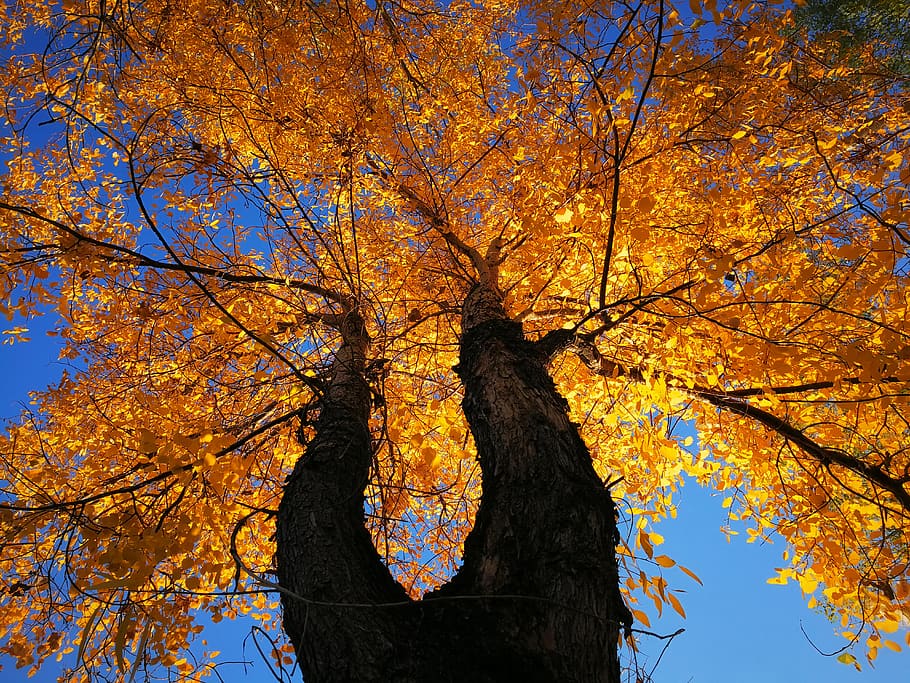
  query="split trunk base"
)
[{"x": 536, "y": 598}]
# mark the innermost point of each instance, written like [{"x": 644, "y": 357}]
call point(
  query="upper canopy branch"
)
[
  {"x": 484, "y": 265},
  {"x": 121, "y": 254},
  {"x": 826, "y": 456}
]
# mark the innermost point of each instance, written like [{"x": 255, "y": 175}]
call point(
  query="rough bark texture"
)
[
  {"x": 537, "y": 596},
  {"x": 325, "y": 556},
  {"x": 546, "y": 525}
]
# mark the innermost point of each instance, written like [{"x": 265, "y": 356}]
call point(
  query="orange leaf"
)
[{"x": 676, "y": 605}]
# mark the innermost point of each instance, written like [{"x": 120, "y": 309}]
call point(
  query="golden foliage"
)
[{"x": 194, "y": 189}]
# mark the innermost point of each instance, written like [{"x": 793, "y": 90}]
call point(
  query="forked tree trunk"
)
[{"x": 537, "y": 596}]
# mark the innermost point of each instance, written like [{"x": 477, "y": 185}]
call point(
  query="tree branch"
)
[{"x": 733, "y": 401}]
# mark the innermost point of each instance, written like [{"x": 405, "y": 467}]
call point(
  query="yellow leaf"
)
[
  {"x": 894, "y": 160},
  {"x": 626, "y": 94},
  {"x": 807, "y": 584},
  {"x": 123, "y": 628},
  {"x": 692, "y": 575},
  {"x": 640, "y": 233},
  {"x": 888, "y": 625},
  {"x": 147, "y": 442},
  {"x": 664, "y": 561},
  {"x": 645, "y": 204},
  {"x": 847, "y": 658},
  {"x": 645, "y": 543},
  {"x": 89, "y": 629},
  {"x": 430, "y": 457},
  {"x": 564, "y": 216},
  {"x": 140, "y": 650}
]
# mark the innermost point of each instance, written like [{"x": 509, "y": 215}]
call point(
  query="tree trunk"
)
[
  {"x": 546, "y": 528},
  {"x": 325, "y": 557},
  {"x": 537, "y": 596}
]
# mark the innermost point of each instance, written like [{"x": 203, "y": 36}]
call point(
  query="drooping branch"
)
[
  {"x": 71, "y": 504},
  {"x": 824, "y": 455},
  {"x": 194, "y": 275},
  {"x": 733, "y": 401},
  {"x": 117, "y": 253}
]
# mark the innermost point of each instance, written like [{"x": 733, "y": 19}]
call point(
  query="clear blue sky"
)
[{"x": 739, "y": 629}]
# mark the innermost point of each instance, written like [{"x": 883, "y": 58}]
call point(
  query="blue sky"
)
[{"x": 739, "y": 629}]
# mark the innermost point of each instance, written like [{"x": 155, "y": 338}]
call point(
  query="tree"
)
[{"x": 372, "y": 301}]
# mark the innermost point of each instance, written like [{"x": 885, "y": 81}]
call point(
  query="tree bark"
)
[
  {"x": 545, "y": 530},
  {"x": 325, "y": 558},
  {"x": 537, "y": 597}
]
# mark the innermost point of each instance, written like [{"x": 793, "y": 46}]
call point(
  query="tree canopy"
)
[{"x": 699, "y": 223}]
